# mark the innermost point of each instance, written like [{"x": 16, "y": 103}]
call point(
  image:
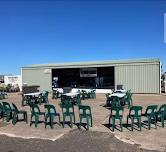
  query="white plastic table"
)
[
  {"x": 119, "y": 95},
  {"x": 71, "y": 94},
  {"x": 120, "y": 91},
  {"x": 33, "y": 94}
]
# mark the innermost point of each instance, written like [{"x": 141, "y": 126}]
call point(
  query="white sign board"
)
[{"x": 47, "y": 71}]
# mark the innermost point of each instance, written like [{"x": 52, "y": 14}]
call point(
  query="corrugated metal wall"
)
[
  {"x": 37, "y": 77},
  {"x": 140, "y": 78}
]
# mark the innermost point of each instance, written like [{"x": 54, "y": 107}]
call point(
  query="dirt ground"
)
[{"x": 99, "y": 138}]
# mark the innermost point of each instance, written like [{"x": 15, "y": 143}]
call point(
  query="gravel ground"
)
[{"x": 75, "y": 141}]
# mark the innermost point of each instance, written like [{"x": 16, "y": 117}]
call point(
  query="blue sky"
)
[{"x": 67, "y": 31}]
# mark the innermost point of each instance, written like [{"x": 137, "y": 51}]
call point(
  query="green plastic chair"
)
[
  {"x": 115, "y": 102},
  {"x": 56, "y": 94},
  {"x": 65, "y": 99},
  {"x": 3, "y": 95},
  {"x": 85, "y": 112},
  {"x": 128, "y": 99},
  {"x": 116, "y": 113},
  {"x": 17, "y": 113},
  {"x": 150, "y": 113},
  {"x": 35, "y": 112},
  {"x": 7, "y": 111},
  {"x": 39, "y": 99},
  {"x": 45, "y": 96},
  {"x": 26, "y": 100},
  {"x": 50, "y": 112},
  {"x": 92, "y": 94},
  {"x": 68, "y": 111},
  {"x": 85, "y": 95},
  {"x": 161, "y": 114},
  {"x": 135, "y": 112},
  {"x": 1, "y": 110},
  {"x": 77, "y": 100}
]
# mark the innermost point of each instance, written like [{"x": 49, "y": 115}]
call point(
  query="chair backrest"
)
[
  {"x": 115, "y": 102},
  {"x": 35, "y": 108},
  {"x": 67, "y": 108},
  {"x": 135, "y": 111},
  {"x": 6, "y": 106},
  {"x": 1, "y": 107},
  {"x": 65, "y": 99},
  {"x": 151, "y": 109},
  {"x": 128, "y": 91},
  {"x": 162, "y": 108},
  {"x": 129, "y": 95},
  {"x": 117, "y": 112},
  {"x": 15, "y": 107},
  {"x": 84, "y": 110},
  {"x": 49, "y": 108},
  {"x": 45, "y": 94}
]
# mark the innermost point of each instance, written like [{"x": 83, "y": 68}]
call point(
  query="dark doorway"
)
[{"x": 73, "y": 77}]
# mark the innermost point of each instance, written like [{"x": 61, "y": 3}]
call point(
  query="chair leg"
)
[
  {"x": 74, "y": 118},
  {"x": 121, "y": 124},
  {"x": 52, "y": 121},
  {"x": 59, "y": 120},
  {"x": 140, "y": 123},
  {"x": 132, "y": 124},
  {"x": 113, "y": 123},
  {"x": 127, "y": 120},
  {"x": 91, "y": 121},
  {"x": 36, "y": 120},
  {"x": 14, "y": 119},
  {"x": 31, "y": 121},
  {"x": 45, "y": 121},
  {"x": 162, "y": 120},
  {"x": 128, "y": 104},
  {"x": 26, "y": 117},
  {"x": 63, "y": 124},
  {"x": 71, "y": 122},
  {"x": 109, "y": 120},
  {"x": 155, "y": 122},
  {"x": 80, "y": 122},
  {"x": 87, "y": 118},
  {"x": 149, "y": 123}
]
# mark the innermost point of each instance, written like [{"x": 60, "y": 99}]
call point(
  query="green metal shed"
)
[{"x": 139, "y": 75}]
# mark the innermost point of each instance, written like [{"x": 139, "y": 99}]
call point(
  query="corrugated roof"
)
[{"x": 92, "y": 63}]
